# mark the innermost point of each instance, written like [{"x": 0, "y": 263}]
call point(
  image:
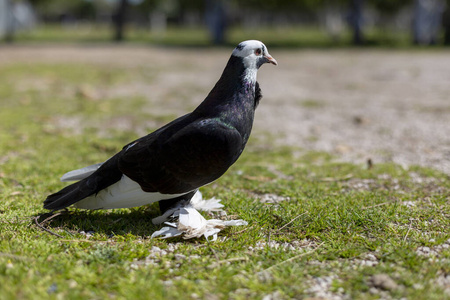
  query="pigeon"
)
[{"x": 170, "y": 164}]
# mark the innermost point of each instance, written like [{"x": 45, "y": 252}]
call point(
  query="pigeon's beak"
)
[{"x": 270, "y": 59}]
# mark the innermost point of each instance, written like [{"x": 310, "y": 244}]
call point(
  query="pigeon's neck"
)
[
  {"x": 240, "y": 73},
  {"x": 235, "y": 90},
  {"x": 232, "y": 101},
  {"x": 249, "y": 77}
]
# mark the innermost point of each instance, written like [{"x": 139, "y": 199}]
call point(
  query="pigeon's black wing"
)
[
  {"x": 183, "y": 157},
  {"x": 107, "y": 174}
]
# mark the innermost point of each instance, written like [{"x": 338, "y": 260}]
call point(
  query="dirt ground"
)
[{"x": 387, "y": 106}]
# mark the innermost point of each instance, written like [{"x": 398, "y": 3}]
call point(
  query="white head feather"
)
[{"x": 253, "y": 53}]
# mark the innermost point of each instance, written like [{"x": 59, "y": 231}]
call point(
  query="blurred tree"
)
[
  {"x": 333, "y": 18},
  {"x": 86, "y": 10},
  {"x": 356, "y": 20},
  {"x": 158, "y": 13},
  {"x": 391, "y": 15},
  {"x": 7, "y": 26},
  {"x": 15, "y": 16},
  {"x": 216, "y": 20},
  {"x": 119, "y": 19},
  {"x": 218, "y": 14},
  {"x": 76, "y": 10},
  {"x": 446, "y": 23},
  {"x": 390, "y": 6},
  {"x": 427, "y": 21}
]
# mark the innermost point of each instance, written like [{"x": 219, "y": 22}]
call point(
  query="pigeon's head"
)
[{"x": 253, "y": 54}]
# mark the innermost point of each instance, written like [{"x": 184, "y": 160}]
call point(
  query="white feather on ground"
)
[{"x": 191, "y": 224}]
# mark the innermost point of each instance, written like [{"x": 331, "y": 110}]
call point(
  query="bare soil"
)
[{"x": 359, "y": 104}]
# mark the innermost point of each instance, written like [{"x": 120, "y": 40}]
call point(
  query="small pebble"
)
[
  {"x": 179, "y": 256},
  {"x": 383, "y": 281}
]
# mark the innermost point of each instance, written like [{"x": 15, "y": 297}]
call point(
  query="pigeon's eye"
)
[{"x": 258, "y": 51}]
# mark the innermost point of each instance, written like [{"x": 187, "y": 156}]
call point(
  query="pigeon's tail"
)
[
  {"x": 93, "y": 179},
  {"x": 69, "y": 195}
]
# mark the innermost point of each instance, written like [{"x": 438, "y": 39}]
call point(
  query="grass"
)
[{"x": 338, "y": 224}]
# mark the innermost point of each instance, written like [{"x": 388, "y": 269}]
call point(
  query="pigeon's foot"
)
[
  {"x": 169, "y": 206},
  {"x": 185, "y": 220}
]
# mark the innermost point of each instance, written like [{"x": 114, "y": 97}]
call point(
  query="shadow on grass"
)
[{"x": 106, "y": 223}]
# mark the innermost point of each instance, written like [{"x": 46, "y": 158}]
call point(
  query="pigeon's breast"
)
[{"x": 241, "y": 114}]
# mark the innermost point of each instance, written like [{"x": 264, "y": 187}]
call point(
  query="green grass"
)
[{"x": 335, "y": 214}]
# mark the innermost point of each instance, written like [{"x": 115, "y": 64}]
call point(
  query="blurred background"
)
[
  {"x": 364, "y": 80},
  {"x": 288, "y": 23}
]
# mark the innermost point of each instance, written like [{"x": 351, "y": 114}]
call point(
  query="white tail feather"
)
[
  {"x": 123, "y": 194},
  {"x": 79, "y": 174}
]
